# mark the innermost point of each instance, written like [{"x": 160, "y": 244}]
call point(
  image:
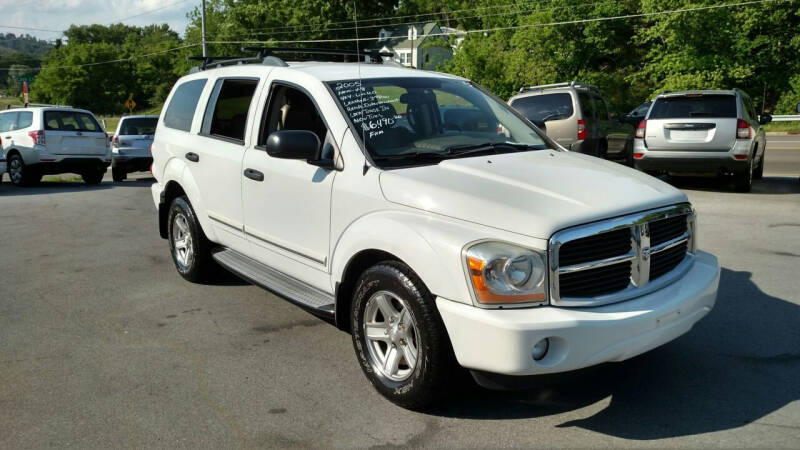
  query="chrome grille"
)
[{"x": 620, "y": 258}]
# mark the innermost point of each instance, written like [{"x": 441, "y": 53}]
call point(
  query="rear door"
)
[
  {"x": 76, "y": 133},
  {"x": 136, "y": 135},
  {"x": 692, "y": 122}
]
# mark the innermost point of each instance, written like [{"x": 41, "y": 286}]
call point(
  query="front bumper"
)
[{"x": 501, "y": 340}]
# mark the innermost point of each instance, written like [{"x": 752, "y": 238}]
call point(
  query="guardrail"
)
[{"x": 786, "y": 118}]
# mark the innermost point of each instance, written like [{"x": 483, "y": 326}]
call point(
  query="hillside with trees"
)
[
  {"x": 755, "y": 47},
  {"x": 18, "y": 56}
]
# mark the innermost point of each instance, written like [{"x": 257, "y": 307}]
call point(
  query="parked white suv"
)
[
  {"x": 41, "y": 141},
  {"x": 427, "y": 218}
]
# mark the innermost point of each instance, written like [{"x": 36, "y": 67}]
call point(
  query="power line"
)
[
  {"x": 169, "y": 5},
  {"x": 112, "y": 61},
  {"x": 30, "y": 29},
  {"x": 514, "y": 27},
  {"x": 506, "y": 13}
]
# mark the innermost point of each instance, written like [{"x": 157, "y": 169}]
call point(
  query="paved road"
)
[
  {"x": 783, "y": 155},
  {"x": 102, "y": 344}
]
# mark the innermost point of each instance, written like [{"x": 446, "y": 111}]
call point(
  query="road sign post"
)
[{"x": 130, "y": 104}]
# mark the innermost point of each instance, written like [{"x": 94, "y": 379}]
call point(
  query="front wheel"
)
[
  {"x": 118, "y": 174},
  {"x": 759, "y": 172},
  {"x": 398, "y": 336},
  {"x": 191, "y": 250}
]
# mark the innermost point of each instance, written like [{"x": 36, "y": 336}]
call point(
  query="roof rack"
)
[
  {"x": 37, "y": 105},
  {"x": 266, "y": 56},
  {"x": 541, "y": 87}
]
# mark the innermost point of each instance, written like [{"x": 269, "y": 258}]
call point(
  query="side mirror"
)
[
  {"x": 293, "y": 144},
  {"x": 764, "y": 119},
  {"x": 798, "y": 107}
]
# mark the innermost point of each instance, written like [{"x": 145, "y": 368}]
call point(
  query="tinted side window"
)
[
  {"x": 291, "y": 109},
  {"x": 226, "y": 113},
  {"x": 602, "y": 108},
  {"x": 587, "y": 105},
  {"x": 24, "y": 120},
  {"x": 7, "y": 121},
  {"x": 180, "y": 111},
  {"x": 545, "y": 106}
]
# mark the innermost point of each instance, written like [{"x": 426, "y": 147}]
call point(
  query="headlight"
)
[{"x": 505, "y": 273}]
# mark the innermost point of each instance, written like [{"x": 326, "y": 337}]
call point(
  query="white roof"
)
[{"x": 324, "y": 71}]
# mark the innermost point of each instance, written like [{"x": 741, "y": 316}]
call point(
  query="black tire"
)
[
  {"x": 629, "y": 153},
  {"x": 93, "y": 176},
  {"x": 433, "y": 372},
  {"x": 199, "y": 267},
  {"x": 118, "y": 174},
  {"x": 743, "y": 179},
  {"x": 759, "y": 172},
  {"x": 20, "y": 174}
]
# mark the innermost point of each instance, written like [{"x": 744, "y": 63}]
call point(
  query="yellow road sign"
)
[{"x": 130, "y": 104}]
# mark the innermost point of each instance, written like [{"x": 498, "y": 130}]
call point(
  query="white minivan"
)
[
  {"x": 426, "y": 218},
  {"x": 41, "y": 141}
]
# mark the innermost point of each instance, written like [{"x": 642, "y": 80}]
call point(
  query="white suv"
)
[
  {"x": 425, "y": 217},
  {"x": 41, "y": 141}
]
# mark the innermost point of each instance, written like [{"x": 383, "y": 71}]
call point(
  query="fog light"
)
[{"x": 540, "y": 349}]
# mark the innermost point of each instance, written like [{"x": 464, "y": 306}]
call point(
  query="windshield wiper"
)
[
  {"x": 469, "y": 149},
  {"x": 412, "y": 155}
]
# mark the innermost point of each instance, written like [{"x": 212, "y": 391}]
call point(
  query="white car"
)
[
  {"x": 41, "y": 141},
  {"x": 435, "y": 239}
]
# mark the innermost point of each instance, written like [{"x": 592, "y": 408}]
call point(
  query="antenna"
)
[{"x": 360, "y": 84}]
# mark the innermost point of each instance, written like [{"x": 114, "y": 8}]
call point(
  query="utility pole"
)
[{"x": 203, "y": 26}]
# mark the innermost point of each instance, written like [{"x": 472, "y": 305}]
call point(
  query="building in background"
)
[{"x": 419, "y": 45}]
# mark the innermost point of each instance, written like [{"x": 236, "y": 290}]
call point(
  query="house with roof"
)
[{"x": 419, "y": 45}]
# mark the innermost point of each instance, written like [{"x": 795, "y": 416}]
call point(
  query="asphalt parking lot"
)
[{"x": 102, "y": 344}]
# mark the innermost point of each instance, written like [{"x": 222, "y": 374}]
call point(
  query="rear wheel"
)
[
  {"x": 399, "y": 338},
  {"x": 118, "y": 174},
  {"x": 759, "y": 172},
  {"x": 191, "y": 250},
  {"x": 743, "y": 179},
  {"x": 93, "y": 176},
  {"x": 20, "y": 174}
]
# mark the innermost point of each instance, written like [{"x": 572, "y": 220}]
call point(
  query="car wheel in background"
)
[
  {"x": 743, "y": 179},
  {"x": 93, "y": 176},
  {"x": 629, "y": 154},
  {"x": 399, "y": 338},
  {"x": 20, "y": 174},
  {"x": 759, "y": 171},
  {"x": 118, "y": 174},
  {"x": 191, "y": 250}
]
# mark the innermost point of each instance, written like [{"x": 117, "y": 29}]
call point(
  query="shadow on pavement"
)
[
  {"x": 739, "y": 364},
  {"x": 767, "y": 185},
  {"x": 62, "y": 187}
]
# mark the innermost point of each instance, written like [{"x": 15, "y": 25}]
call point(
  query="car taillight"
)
[
  {"x": 38, "y": 137},
  {"x": 115, "y": 141},
  {"x": 640, "y": 130},
  {"x": 743, "y": 130},
  {"x": 582, "y": 134}
]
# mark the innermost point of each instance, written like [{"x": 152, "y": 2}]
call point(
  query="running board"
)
[{"x": 316, "y": 301}]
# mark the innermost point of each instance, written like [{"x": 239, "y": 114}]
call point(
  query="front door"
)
[{"x": 286, "y": 202}]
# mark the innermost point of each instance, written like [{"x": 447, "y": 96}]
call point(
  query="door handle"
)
[
  {"x": 254, "y": 174},
  {"x": 7, "y": 137},
  {"x": 194, "y": 157}
]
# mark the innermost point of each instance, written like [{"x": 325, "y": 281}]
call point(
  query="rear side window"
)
[
  {"x": 717, "y": 106},
  {"x": 587, "y": 105},
  {"x": 7, "y": 121},
  {"x": 180, "y": 111},
  {"x": 138, "y": 126},
  {"x": 24, "y": 120},
  {"x": 70, "y": 121},
  {"x": 226, "y": 113},
  {"x": 544, "y": 107}
]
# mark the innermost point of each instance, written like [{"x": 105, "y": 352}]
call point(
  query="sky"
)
[{"x": 60, "y": 14}]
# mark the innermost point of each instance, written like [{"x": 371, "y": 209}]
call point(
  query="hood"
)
[{"x": 533, "y": 193}]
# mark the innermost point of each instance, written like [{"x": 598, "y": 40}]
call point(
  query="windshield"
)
[
  {"x": 540, "y": 108},
  {"x": 408, "y": 121},
  {"x": 717, "y": 106}
]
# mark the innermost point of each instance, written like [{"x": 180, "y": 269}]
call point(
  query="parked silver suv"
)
[
  {"x": 714, "y": 131},
  {"x": 577, "y": 116},
  {"x": 130, "y": 145}
]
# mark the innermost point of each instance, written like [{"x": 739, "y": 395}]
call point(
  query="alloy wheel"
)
[
  {"x": 392, "y": 336},
  {"x": 182, "y": 241}
]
